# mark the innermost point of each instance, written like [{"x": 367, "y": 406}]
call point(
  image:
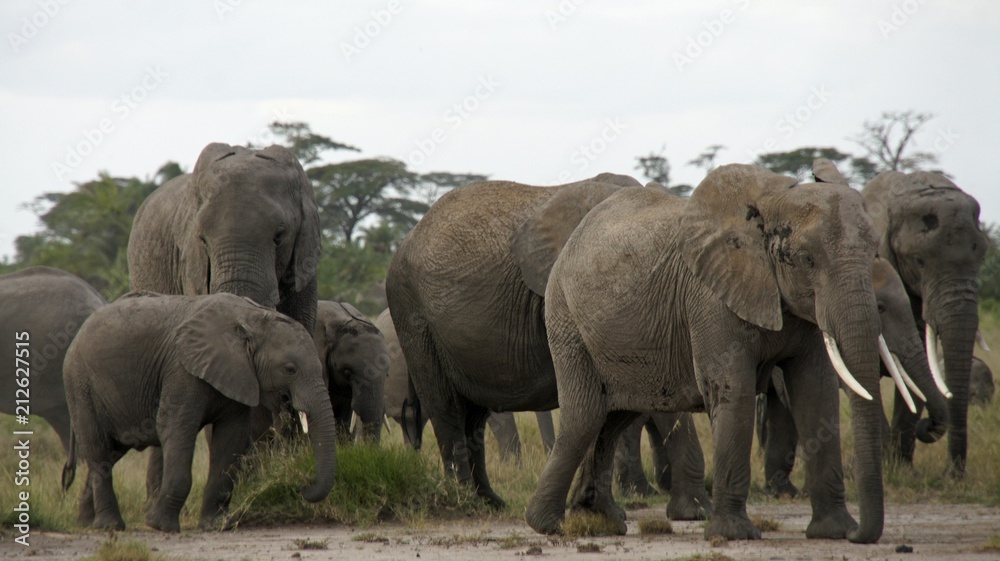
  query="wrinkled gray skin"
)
[
  {"x": 656, "y": 304},
  {"x": 152, "y": 370},
  {"x": 981, "y": 385},
  {"x": 928, "y": 230},
  {"x": 403, "y": 405},
  {"x": 244, "y": 222},
  {"x": 50, "y": 305},
  {"x": 776, "y": 431},
  {"x": 470, "y": 320},
  {"x": 678, "y": 463},
  {"x": 355, "y": 361}
]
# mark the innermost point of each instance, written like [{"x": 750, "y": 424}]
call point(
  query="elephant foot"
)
[
  {"x": 86, "y": 515},
  {"x": 833, "y": 526},
  {"x": 162, "y": 522},
  {"x": 108, "y": 521},
  {"x": 492, "y": 499},
  {"x": 544, "y": 520},
  {"x": 783, "y": 488},
  {"x": 608, "y": 509},
  {"x": 731, "y": 527},
  {"x": 683, "y": 506}
]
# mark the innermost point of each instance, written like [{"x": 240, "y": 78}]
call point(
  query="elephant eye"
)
[
  {"x": 290, "y": 369},
  {"x": 279, "y": 235},
  {"x": 806, "y": 260},
  {"x": 881, "y": 308}
]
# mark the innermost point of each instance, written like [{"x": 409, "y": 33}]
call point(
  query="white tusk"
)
[
  {"x": 981, "y": 341},
  {"x": 841, "y": 368},
  {"x": 934, "y": 363},
  {"x": 906, "y": 378},
  {"x": 354, "y": 422},
  {"x": 304, "y": 421},
  {"x": 883, "y": 351},
  {"x": 385, "y": 420}
]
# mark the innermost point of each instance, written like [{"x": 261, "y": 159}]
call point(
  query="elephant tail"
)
[{"x": 69, "y": 470}]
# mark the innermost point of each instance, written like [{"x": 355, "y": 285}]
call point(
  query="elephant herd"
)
[{"x": 621, "y": 304}]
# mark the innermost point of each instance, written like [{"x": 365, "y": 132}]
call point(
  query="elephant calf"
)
[{"x": 152, "y": 370}]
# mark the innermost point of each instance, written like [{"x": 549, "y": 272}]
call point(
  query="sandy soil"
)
[{"x": 933, "y": 531}]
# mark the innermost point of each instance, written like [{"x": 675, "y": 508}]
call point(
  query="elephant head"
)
[
  {"x": 255, "y": 230},
  {"x": 355, "y": 364},
  {"x": 930, "y": 233},
  {"x": 981, "y": 384},
  {"x": 765, "y": 246},
  {"x": 254, "y": 355}
]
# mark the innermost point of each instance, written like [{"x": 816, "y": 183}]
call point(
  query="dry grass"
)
[
  {"x": 588, "y": 524},
  {"x": 991, "y": 545},
  {"x": 765, "y": 524},
  {"x": 655, "y": 526},
  {"x": 124, "y": 550}
]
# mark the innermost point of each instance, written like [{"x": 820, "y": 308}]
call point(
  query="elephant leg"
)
[
  {"x": 504, "y": 428},
  {"x": 781, "y": 439},
  {"x": 593, "y": 491},
  {"x": 547, "y": 429},
  {"x": 812, "y": 391},
  {"x": 107, "y": 514},
  {"x": 230, "y": 441},
  {"x": 688, "y": 498},
  {"x": 628, "y": 461},
  {"x": 86, "y": 514},
  {"x": 178, "y": 444},
  {"x": 657, "y": 436},
  {"x": 475, "y": 432},
  {"x": 731, "y": 397},
  {"x": 580, "y": 422},
  {"x": 903, "y": 433},
  {"x": 449, "y": 429},
  {"x": 154, "y": 473}
]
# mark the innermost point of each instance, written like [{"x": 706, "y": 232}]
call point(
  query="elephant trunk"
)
[
  {"x": 246, "y": 271},
  {"x": 323, "y": 434},
  {"x": 914, "y": 361},
  {"x": 371, "y": 410},
  {"x": 954, "y": 317},
  {"x": 854, "y": 325}
]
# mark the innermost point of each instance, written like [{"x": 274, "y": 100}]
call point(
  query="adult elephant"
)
[
  {"x": 929, "y": 231},
  {"x": 202, "y": 360},
  {"x": 355, "y": 360},
  {"x": 49, "y": 306},
  {"x": 403, "y": 405},
  {"x": 468, "y": 308},
  {"x": 776, "y": 430},
  {"x": 660, "y": 305},
  {"x": 243, "y": 221}
]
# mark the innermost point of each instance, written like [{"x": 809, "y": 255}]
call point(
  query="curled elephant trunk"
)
[{"x": 323, "y": 435}]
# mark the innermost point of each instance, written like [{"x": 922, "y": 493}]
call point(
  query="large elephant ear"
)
[
  {"x": 536, "y": 243},
  {"x": 214, "y": 344},
  {"x": 724, "y": 244},
  {"x": 825, "y": 171}
]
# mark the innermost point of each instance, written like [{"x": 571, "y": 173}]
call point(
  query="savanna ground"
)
[{"x": 391, "y": 503}]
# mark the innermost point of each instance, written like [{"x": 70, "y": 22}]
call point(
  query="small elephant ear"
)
[
  {"x": 307, "y": 249},
  {"x": 825, "y": 171},
  {"x": 536, "y": 243},
  {"x": 201, "y": 181},
  {"x": 723, "y": 240},
  {"x": 214, "y": 344}
]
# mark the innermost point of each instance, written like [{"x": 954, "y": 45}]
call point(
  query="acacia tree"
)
[
  {"x": 655, "y": 167},
  {"x": 706, "y": 160},
  {"x": 887, "y": 140}
]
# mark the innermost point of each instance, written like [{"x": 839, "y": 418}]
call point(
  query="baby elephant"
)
[{"x": 152, "y": 370}]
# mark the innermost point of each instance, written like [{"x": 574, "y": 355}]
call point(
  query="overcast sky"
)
[{"x": 538, "y": 92}]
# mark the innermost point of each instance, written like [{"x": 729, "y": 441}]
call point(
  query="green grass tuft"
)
[
  {"x": 124, "y": 550},
  {"x": 373, "y": 484},
  {"x": 588, "y": 548},
  {"x": 655, "y": 526},
  {"x": 588, "y": 524},
  {"x": 992, "y": 544},
  {"x": 303, "y": 543}
]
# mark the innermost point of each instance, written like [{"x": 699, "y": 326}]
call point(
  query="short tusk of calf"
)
[
  {"x": 981, "y": 341},
  {"x": 841, "y": 368},
  {"x": 934, "y": 362},
  {"x": 906, "y": 378},
  {"x": 883, "y": 351},
  {"x": 304, "y": 421},
  {"x": 385, "y": 421}
]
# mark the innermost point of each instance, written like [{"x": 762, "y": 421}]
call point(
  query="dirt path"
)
[{"x": 933, "y": 531}]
